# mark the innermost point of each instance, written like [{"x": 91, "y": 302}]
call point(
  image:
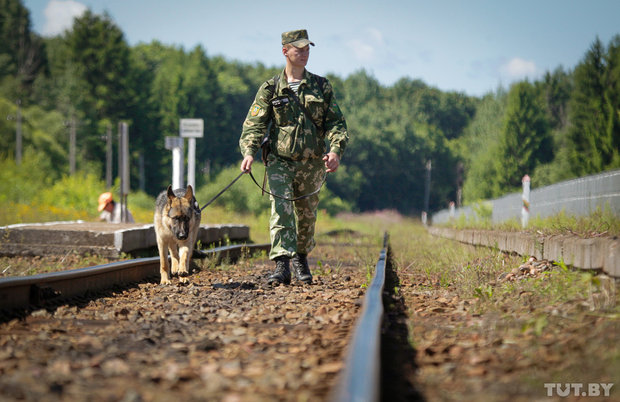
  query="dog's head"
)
[{"x": 181, "y": 211}]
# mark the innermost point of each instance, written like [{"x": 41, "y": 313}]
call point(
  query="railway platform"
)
[{"x": 104, "y": 239}]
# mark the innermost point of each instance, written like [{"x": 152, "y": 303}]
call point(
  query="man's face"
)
[{"x": 297, "y": 56}]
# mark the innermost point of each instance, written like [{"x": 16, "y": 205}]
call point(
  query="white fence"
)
[{"x": 576, "y": 197}]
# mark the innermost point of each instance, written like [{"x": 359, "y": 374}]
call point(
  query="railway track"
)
[{"x": 111, "y": 332}]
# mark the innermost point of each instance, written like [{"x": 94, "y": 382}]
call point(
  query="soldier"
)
[{"x": 303, "y": 113}]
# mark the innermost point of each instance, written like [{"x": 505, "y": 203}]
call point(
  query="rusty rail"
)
[
  {"x": 360, "y": 379},
  {"x": 24, "y": 293}
]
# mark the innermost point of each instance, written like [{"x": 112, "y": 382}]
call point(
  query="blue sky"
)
[{"x": 470, "y": 46}]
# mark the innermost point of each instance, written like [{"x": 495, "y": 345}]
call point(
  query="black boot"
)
[
  {"x": 301, "y": 269},
  {"x": 282, "y": 273}
]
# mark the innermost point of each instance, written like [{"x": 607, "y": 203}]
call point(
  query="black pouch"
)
[{"x": 265, "y": 149}]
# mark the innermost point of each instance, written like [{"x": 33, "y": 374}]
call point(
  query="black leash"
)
[
  {"x": 265, "y": 191},
  {"x": 222, "y": 192},
  {"x": 301, "y": 197}
]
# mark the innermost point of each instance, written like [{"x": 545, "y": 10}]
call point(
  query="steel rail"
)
[
  {"x": 360, "y": 378},
  {"x": 23, "y": 293}
]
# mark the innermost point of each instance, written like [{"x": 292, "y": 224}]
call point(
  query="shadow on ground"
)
[{"x": 398, "y": 363}]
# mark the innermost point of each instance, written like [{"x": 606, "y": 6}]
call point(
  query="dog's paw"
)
[
  {"x": 165, "y": 282},
  {"x": 183, "y": 279}
]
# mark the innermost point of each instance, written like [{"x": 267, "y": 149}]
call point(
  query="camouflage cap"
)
[{"x": 298, "y": 38}]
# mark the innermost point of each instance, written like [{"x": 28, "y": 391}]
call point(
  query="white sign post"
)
[
  {"x": 176, "y": 145},
  {"x": 191, "y": 129}
]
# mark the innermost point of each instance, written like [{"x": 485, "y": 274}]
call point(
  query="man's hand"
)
[
  {"x": 246, "y": 164},
  {"x": 332, "y": 161}
]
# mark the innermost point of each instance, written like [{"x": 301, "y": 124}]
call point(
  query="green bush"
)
[
  {"x": 21, "y": 184},
  {"x": 79, "y": 191}
]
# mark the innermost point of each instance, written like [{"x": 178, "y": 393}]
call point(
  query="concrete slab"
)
[
  {"x": 106, "y": 239},
  {"x": 553, "y": 248},
  {"x": 611, "y": 263},
  {"x": 585, "y": 253},
  {"x": 592, "y": 254}
]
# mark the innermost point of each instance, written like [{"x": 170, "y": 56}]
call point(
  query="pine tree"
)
[
  {"x": 593, "y": 138},
  {"x": 525, "y": 140}
]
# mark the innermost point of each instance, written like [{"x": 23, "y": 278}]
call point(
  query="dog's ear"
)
[
  {"x": 189, "y": 193},
  {"x": 170, "y": 193}
]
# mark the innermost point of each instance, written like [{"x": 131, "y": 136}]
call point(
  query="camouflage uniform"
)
[{"x": 295, "y": 165}]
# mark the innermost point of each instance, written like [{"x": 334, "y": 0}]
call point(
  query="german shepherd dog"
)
[{"x": 177, "y": 220}]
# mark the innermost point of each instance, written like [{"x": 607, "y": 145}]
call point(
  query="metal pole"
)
[
  {"x": 120, "y": 165},
  {"x": 460, "y": 170},
  {"x": 123, "y": 156},
  {"x": 18, "y": 134},
  {"x": 108, "y": 158},
  {"x": 141, "y": 172},
  {"x": 191, "y": 162},
  {"x": 175, "y": 144},
  {"x": 177, "y": 167},
  {"x": 427, "y": 187},
  {"x": 72, "y": 146}
]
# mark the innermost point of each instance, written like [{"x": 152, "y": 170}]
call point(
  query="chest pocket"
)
[
  {"x": 316, "y": 107},
  {"x": 282, "y": 111}
]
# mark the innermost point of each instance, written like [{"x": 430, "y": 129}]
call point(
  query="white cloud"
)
[
  {"x": 518, "y": 68},
  {"x": 363, "y": 51},
  {"x": 376, "y": 36},
  {"x": 59, "y": 15},
  {"x": 365, "y": 47}
]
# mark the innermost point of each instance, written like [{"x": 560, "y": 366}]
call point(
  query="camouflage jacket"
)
[{"x": 293, "y": 135}]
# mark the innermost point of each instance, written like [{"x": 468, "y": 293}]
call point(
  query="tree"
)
[
  {"x": 479, "y": 147},
  {"x": 612, "y": 104},
  {"x": 100, "y": 59},
  {"x": 99, "y": 47},
  {"x": 525, "y": 140},
  {"x": 557, "y": 87},
  {"x": 22, "y": 53},
  {"x": 593, "y": 136}
]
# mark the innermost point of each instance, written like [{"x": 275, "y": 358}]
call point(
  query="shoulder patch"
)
[{"x": 255, "y": 110}]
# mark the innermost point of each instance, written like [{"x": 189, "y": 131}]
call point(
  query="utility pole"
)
[
  {"x": 460, "y": 170},
  {"x": 427, "y": 192},
  {"x": 141, "y": 171},
  {"x": 18, "y": 134},
  {"x": 108, "y": 158},
  {"x": 71, "y": 123},
  {"x": 123, "y": 167},
  {"x": 427, "y": 186}
]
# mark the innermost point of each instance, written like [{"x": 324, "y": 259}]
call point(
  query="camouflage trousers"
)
[{"x": 291, "y": 225}]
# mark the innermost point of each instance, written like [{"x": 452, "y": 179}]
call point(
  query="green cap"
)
[{"x": 298, "y": 38}]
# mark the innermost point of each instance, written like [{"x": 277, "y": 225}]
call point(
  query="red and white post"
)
[{"x": 525, "y": 210}]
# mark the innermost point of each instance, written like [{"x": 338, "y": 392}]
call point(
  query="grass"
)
[
  {"x": 472, "y": 273},
  {"x": 601, "y": 222}
]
